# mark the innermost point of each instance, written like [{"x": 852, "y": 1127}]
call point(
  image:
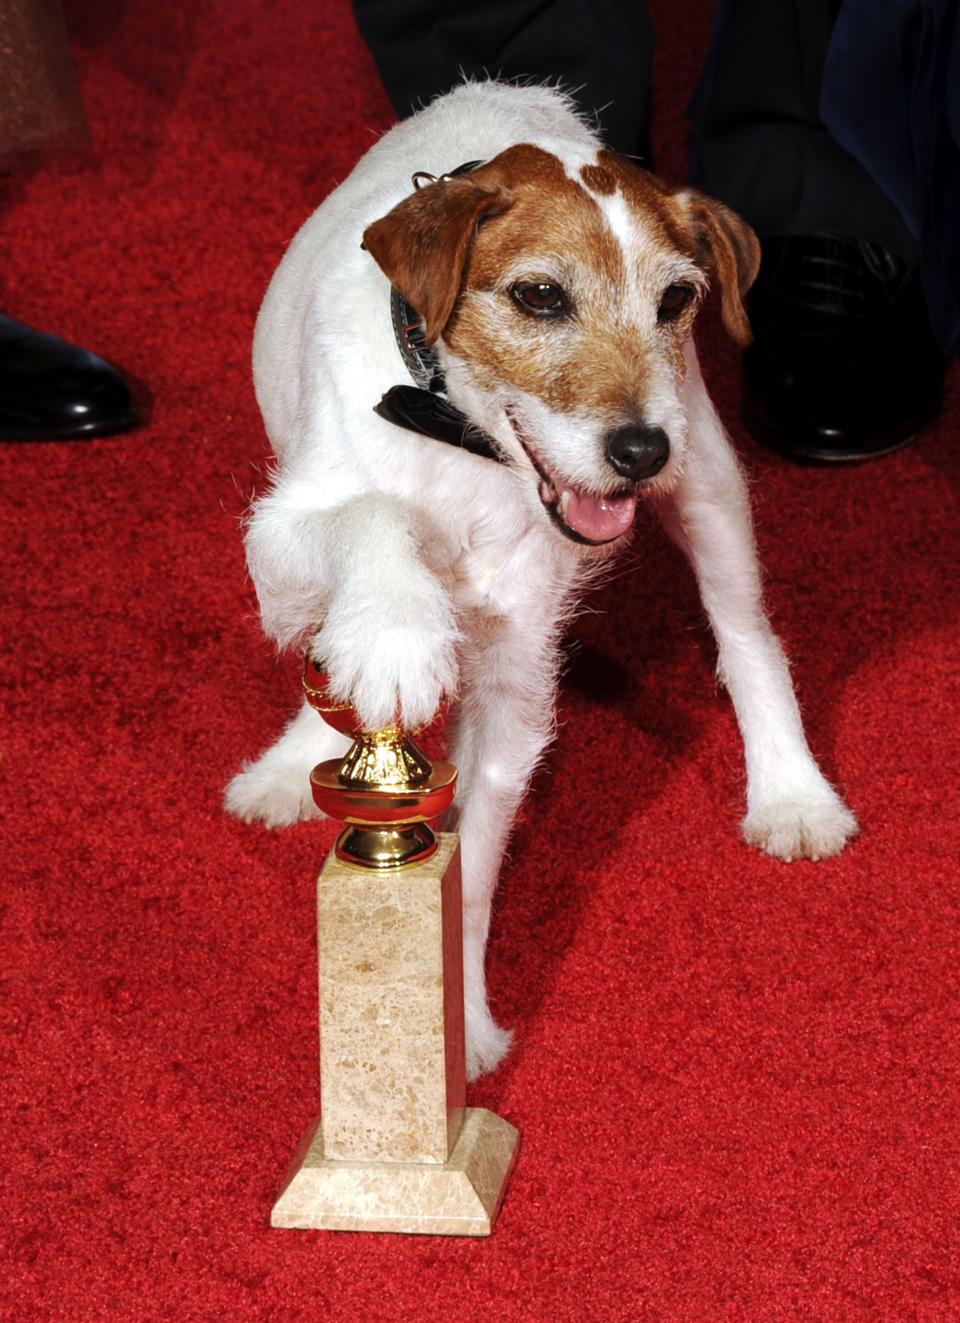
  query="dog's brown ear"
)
[
  {"x": 423, "y": 244},
  {"x": 726, "y": 244}
]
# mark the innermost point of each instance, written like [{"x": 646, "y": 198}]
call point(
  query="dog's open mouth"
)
[{"x": 579, "y": 514}]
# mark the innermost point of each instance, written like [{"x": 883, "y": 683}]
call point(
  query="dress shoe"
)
[
  {"x": 844, "y": 364},
  {"x": 54, "y": 391}
]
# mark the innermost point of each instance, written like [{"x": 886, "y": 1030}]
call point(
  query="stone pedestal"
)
[{"x": 395, "y": 1149}]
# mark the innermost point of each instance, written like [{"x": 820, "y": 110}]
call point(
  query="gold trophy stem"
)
[{"x": 385, "y": 847}]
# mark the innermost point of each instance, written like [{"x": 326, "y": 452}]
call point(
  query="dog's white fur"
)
[{"x": 415, "y": 569}]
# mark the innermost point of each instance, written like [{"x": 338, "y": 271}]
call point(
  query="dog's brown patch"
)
[
  {"x": 591, "y": 363},
  {"x": 550, "y": 214},
  {"x": 715, "y": 237},
  {"x": 455, "y": 248},
  {"x": 653, "y": 199},
  {"x": 598, "y": 179}
]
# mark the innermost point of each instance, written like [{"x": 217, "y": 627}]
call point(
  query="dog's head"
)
[{"x": 560, "y": 302}]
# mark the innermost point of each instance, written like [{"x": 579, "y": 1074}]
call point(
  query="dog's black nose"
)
[{"x": 637, "y": 452}]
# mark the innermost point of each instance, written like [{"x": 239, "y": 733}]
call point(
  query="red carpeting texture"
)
[{"x": 737, "y": 1081}]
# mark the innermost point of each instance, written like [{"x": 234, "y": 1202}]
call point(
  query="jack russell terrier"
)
[{"x": 428, "y": 537}]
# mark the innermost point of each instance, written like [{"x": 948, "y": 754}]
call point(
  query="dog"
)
[{"x": 543, "y": 292}]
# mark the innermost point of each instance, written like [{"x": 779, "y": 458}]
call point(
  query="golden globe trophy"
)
[{"x": 395, "y": 1148}]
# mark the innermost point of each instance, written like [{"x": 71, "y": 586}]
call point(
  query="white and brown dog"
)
[{"x": 558, "y": 284}]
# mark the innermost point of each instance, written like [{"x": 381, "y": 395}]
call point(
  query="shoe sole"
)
[
  {"x": 109, "y": 427},
  {"x": 772, "y": 440}
]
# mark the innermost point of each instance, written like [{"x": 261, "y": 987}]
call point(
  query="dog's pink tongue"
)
[{"x": 598, "y": 518}]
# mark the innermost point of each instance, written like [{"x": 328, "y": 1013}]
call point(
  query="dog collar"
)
[{"x": 423, "y": 407}]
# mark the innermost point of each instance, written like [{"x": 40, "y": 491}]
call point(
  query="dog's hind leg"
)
[
  {"x": 276, "y": 788},
  {"x": 501, "y": 726},
  {"x": 792, "y": 811}
]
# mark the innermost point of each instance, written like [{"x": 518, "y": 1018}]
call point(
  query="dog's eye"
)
[
  {"x": 673, "y": 300},
  {"x": 541, "y": 298}
]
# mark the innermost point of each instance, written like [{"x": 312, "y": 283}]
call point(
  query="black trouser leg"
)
[
  {"x": 760, "y": 144},
  {"x": 602, "y": 50}
]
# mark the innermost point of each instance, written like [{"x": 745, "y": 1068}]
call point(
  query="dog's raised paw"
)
[
  {"x": 276, "y": 795},
  {"x": 390, "y": 661},
  {"x": 812, "y": 826}
]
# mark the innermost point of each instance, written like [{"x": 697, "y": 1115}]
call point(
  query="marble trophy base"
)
[
  {"x": 396, "y": 1148},
  {"x": 459, "y": 1197}
]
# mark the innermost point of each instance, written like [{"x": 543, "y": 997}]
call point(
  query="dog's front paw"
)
[
  {"x": 487, "y": 1043},
  {"x": 390, "y": 659},
  {"x": 813, "y": 824}
]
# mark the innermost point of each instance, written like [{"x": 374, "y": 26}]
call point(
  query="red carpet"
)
[{"x": 737, "y": 1081}]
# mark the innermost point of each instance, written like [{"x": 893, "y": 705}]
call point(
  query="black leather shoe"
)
[
  {"x": 844, "y": 364},
  {"x": 54, "y": 391}
]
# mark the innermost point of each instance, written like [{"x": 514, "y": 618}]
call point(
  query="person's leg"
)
[
  {"x": 844, "y": 364},
  {"x": 601, "y": 50},
  {"x": 760, "y": 143}
]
